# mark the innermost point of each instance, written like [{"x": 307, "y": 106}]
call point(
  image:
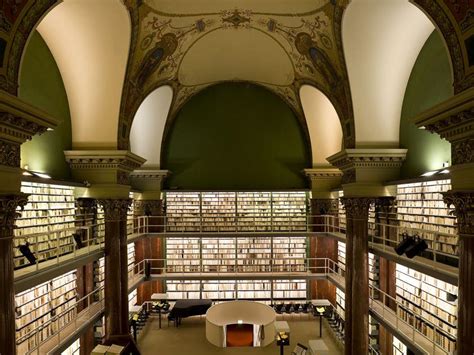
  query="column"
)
[
  {"x": 116, "y": 275},
  {"x": 357, "y": 274},
  {"x": 8, "y": 214},
  {"x": 463, "y": 202}
]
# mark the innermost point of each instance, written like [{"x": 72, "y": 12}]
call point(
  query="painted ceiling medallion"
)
[{"x": 236, "y": 18}]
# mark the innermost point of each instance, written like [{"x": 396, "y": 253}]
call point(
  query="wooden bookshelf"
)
[
  {"x": 420, "y": 206},
  {"x": 341, "y": 213},
  {"x": 73, "y": 349},
  {"x": 50, "y": 211},
  {"x": 426, "y": 304},
  {"x": 132, "y": 298},
  {"x": 183, "y": 254},
  {"x": 37, "y": 307},
  {"x": 398, "y": 347},
  {"x": 130, "y": 259}
]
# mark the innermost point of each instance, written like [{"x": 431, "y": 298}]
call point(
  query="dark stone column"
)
[
  {"x": 116, "y": 275},
  {"x": 357, "y": 266},
  {"x": 463, "y": 202},
  {"x": 8, "y": 214}
]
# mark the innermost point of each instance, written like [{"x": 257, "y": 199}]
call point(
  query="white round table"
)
[{"x": 261, "y": 316}]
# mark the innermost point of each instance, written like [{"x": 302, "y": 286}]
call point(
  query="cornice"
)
[
  {"x": 322, "y": 173},
  {"x": 150, "y": 174},
  {"x": 452, "y": 119},
  {"x": 103, "y": 159},
  {"x": 368, "y": 158},
  {"x": 20, "y": 121}
]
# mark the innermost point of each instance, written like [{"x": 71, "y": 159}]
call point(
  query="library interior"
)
[{"x": 236, "y": 176}]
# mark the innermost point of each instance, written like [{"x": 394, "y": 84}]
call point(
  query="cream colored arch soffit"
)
[
  {"x": 382, "y": 40},
  {"x": 278, "y": 44},
  {"x": 90, "y": 42}
]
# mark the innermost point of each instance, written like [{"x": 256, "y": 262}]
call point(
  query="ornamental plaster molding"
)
[
  {"x": 115, "y": 209},
  {"x": 103, "y": 159},
  {"x": 322, "y": 173},
  {"x": 150, "y": 174},
  {"x": 463, "y": 202},
  {"x": 368, "y": 158}
]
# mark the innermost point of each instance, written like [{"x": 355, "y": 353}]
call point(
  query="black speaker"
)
[
  {"x": 417, "y": 248},
  {"x": 25, "y": 250},
  {"x": 78, "y": 240},
  {"x": 451, "y": 297},
  {"x": 406, "y": 243}
]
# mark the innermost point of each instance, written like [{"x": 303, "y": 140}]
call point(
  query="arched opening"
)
[
  {"x": 148, "y": 125},
  {"x": 236, "y": 136},
  {"x": 323, "y": 123}
]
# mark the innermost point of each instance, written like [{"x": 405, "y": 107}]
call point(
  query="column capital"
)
[
  {"x": 149, "y": 207},
  {"x": 107, "y": 171},
  {"x": 115, "y": 209},
  {"x": 365, "y": 170},
  {"x": 9, "y": 212},
  {"x": 357, "y": 207},
  {"x": 86, "y": 203},
  {"x": 463, "y": 202},
  {"x": 323, "y": 206}
]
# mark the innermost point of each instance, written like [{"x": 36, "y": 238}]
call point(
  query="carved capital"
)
[
  {"x": 149, "y": 207},
  {"x": 385, "y": 204},
  {"x": 86, "y": 205},
  {"x": 462, "y": 152},
  {"x": 9, "y": 213},
  {"x": 323, "y": 206},
  {"x": 357, "y": 207},
  {"x": 115, "y": 209},
  {"x": 10, "y": 154},
  {"x": 463, "y": 202}
]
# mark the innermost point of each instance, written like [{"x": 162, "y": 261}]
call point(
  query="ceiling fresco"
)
[{"x": 299, "y": 48}]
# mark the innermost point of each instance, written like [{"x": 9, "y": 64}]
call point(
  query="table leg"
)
[
  {"x": 282, "y": 350},
  {"x": 159, "y": 317},
  {"x": 320, "y": 325}
]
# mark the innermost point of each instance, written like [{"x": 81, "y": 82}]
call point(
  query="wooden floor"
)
[{"x": 190, "y": 338}]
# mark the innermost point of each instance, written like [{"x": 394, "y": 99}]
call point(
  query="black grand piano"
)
[{"x": 188, "y": 308}]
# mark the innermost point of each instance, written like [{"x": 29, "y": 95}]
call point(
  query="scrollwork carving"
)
[
  {"x": 9, "y": 213},
  {"x": 149, "y": 207},
  {"x": 9, "y": 154},
  {"x": 115, "y": 209},
  {"x": 463, "y": 202},
  {"x": 323, "y": 206},
  {"x": 357, "y": 207}
]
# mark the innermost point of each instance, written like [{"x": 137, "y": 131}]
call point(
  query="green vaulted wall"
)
[
  {"x": 236, "y": 136},
  {"x": 41, "y": 85},
  {"x": 430, "y": 83}
]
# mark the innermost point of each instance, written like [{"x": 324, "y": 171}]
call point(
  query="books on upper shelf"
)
[
  {"x": 46, "y": 222},
  {"x": 236, "y": 211},
  {"x": 46, "y": 308},
  {"x": 341, "y": 214},
  {"x": 429, "y": 304},
  {"x": 420, "y": 206},
  {"x": 130, "y": 259}
]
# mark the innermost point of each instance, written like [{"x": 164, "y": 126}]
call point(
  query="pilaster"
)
[{"x": 8, "y": 215}]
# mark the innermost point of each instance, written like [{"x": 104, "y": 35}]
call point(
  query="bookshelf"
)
[
  {"x": 73, "y": 349},
  {"x": 183, "y": 254},
  {"x": 218, "y": 211},
  {"x": 288, "y": 253},
  {"x": 50, "y": 214},
  {"x": 289, "y": 211},
  {"x": 130, "y": 214},
  {"x": 254, "y": 211},
  {"x": 341, "y": 256},
  {"x": 340, "y": 302},
  {"x": 341, "y": 213},
  {"x": 183, "y": 211},
  {"x": 398, "y": 347},
  {"x": 420, "y": 206},
  {"x": 36, "y": 308},
  {"x": 427, "y": 302},
  {"x": 218, "y": 254},
  {"x": 132, "y": 298}
]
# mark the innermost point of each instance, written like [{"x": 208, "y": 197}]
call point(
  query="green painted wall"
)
[
  {"x": 430, "y": 83},
  {"x": 41, "y": 85},
  {"x": 236, "y": 136}
]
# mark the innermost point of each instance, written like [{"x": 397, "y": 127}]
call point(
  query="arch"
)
[
  {"x": 380, "y": 51},
  {"x": 236, "y": 135},
  {"x": 148, "y": 126},
  {"x": 223, "y": 55},
  {"x": 93, "y": 69},
  {"x": 323, "y": 123}
]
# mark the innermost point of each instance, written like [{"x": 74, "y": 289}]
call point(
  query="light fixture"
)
[
  {"x": 422, "y": 127},
  {"x": 445, "y": 164},
  {"x": 42, "y": 175},
  {"x": 26, "y": 173},
  {"x": 49, "y": 129},
  {"x": 240, "y": 321},
  {"x": 417, "y": 248},
  {"x": 429, "y": 173},
  {"x": 406, "y": 243},
  {"x": 445, "y": 171},
  {"x": 26, "y": 252}
]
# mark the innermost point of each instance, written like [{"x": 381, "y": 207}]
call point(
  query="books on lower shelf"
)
[
  {"x": 46, "y": 307},
  {"x": 73, "y": 349},
  {"x": 341, "y": 214},
  {"x": 46, "y": 222},
  {"x": 398, "y": 347},
  {"x": 429, "y": 304},
  {"x": 132, "y": 298},
  {"x": 130, "y": 258}
]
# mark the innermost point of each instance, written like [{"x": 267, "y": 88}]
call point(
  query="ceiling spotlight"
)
[
  {"x": 416, "y": 249},
  {"x": 404, "y": 244}
]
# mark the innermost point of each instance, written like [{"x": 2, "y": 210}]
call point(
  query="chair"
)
[{"x": 299, "y": 349}]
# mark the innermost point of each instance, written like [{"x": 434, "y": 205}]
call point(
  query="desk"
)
[
  {"x": 318, "y": 347},
  {"x": 321, "y": 303},
  {"x": 159, "y": 296}
]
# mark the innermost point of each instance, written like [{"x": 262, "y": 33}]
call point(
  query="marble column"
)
[
  {"x": 357, "y": 275},
  {"x": 463, "y": 202},
  {"x": 116, "y": 273},
  {"x": 8, "y": 215}
]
